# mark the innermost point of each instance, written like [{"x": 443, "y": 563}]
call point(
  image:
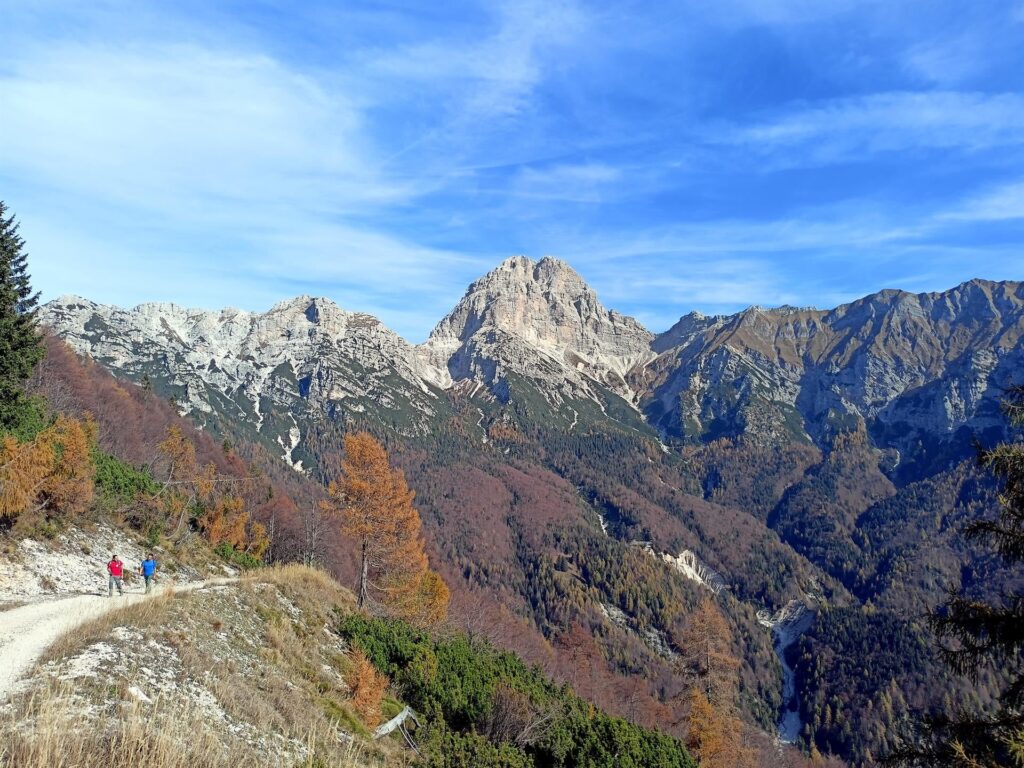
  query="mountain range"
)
[
  {"x": 775, "y": 458},
  {"x": 918, "y": 372}
]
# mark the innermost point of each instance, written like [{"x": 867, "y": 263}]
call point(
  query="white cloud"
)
[
  {"x": 493, "y": 76},
  {"x": 580, "y": 182},
  {"x": 839, "y": 129},
  {"x": 999, "y": 204},
  {"x": 231, "y": 169},
  {"x": 949, "y": 61},
  {"x": 179, "y": 125}
]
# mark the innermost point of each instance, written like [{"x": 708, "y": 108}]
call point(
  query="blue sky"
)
[{"x": 704, "y": 155}]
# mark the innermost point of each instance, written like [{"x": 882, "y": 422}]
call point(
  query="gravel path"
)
[{"x": 27, "y": 631}]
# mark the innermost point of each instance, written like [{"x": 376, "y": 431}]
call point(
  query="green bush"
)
[
  {"x": 453, "y": 682},
  {"x": 237, "y": 556},
  {"x": 24, "y": 418},
  {"x": 470, "y": 750},
  {"x": 120, "y": 482}
]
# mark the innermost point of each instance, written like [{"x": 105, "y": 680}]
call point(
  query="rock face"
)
[
  {"x": 542, "y": 321},
  {"x": 911, "y": 370},
  {"x": 305, "y": 354}
]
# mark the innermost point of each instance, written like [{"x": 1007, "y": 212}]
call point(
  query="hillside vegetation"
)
[{"x": 272, "y": 671}]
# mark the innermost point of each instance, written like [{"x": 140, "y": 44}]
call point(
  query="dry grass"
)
[
  {"x": 312, "y": 583},
  {"x": 263, "y": 648},
  {"x": 147, "y": 613},
  {"x": 50, "y": 731}
]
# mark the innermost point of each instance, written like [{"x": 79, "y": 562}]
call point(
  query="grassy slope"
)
[{"x": 247, "y": 674}]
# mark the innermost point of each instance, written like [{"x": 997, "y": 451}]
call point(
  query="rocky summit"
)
[
  {"x": 540, "y": 320},
  {"x": 912, "y": 370}
]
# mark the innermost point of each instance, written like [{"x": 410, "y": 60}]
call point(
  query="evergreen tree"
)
[
  {"x": 975, "y": 635},
  {"x": 21, "y": 346}
]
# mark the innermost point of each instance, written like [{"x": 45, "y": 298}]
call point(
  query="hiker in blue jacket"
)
[{"x": 148, "y": 570}]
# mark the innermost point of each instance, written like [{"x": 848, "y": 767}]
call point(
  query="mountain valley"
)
[{"x": 577, "y": 472}]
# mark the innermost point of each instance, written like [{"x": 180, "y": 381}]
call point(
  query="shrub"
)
[
  {"x": 368, "y": 686},
  {"x": 238, "y": 557},
  {"x": 467, "y": 689},
  {"x": 469, "y": 750},
  {"x": 118, "y": 481}
]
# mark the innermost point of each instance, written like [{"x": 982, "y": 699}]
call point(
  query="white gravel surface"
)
[{"x": 27, "y": 631}]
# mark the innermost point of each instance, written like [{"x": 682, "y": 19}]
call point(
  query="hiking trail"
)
[{"x": 28, "y": 630}]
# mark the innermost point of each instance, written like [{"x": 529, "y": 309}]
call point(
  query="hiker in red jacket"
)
[{"x": 116, "y": 570}]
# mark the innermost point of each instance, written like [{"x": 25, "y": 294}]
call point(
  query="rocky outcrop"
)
[
  {"x": 542, "y": 321},
  {"x": 911, "y": 369},
  {"x": 305, "y": 354}
]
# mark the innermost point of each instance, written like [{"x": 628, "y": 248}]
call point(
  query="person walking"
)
[
  {"x": 116, "y": 570},
  {"x": 148, "y": 571}
]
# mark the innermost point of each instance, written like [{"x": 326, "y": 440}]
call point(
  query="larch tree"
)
[
  {"x": 215, "y": 501},
  {"x": 53, "y": 471},
  {"x": 21, "y": 345},
  {"x": 375, "y": 507},
  {"x": 706, "y": 655},
  {"x": 714, "y": 729}
]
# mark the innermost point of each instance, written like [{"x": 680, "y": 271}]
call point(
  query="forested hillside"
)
[{"x": 568, "y": 464}]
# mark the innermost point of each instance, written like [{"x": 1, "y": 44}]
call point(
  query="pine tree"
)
[
  {"x": 975, "y": 635},
  {"x": 375, "y": 506},
  {"x": 21, "y": 346}
]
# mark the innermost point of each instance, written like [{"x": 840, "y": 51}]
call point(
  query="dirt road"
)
[{"x": 28, "y": 630}]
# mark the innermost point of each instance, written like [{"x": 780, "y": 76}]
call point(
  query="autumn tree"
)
[
  {"x": 53, "y": 471},
  {"x": 714, "y": 729},
  {"x": 215, "y": 501},
  {"x": 374, "y": 505},
  {"x": 367, "y": 686},
  {"x": 70, "y": 485},
  {"x": 706, "y": 657},
  {"x": 21, "y": 346}
]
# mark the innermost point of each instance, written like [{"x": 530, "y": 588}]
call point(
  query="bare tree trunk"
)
[
  {"x": 364, "y": 577},
  {"x": 312, "y": 530}
]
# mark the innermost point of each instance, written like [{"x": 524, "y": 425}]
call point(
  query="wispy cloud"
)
[
  {"x": 840, "y": 129},
  {"x": 1004, "y": 202},
  {"x": 150, "y": 126},
  {"x": 701, "y": 154},
  {"x": 584, "y": 182}
]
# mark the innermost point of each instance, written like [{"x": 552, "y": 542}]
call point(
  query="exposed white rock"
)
[
  {"x": 73, "y": 564},
  {"x": 542, "y": 321},
  {"x": 251, "y": 365},
  {"x": 901, "y": 366},
  {"x": 787, "y": 625},
  {"x": 690, "y": 566}
]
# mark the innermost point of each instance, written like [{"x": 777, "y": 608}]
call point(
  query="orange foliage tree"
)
[
  {"x": 221, "y": 511},
  {"x": 53, "y": 471},
  {"x": 714, "y": 729},
  {"x": 374, "y": 504},
  {"x": 367, "y": 686},
  {"x": 706, "y": 654}
]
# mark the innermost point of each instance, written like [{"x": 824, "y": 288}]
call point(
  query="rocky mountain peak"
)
[
  {"x": 217, "y": 363},
  {"x": 538, "y": 319}
]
